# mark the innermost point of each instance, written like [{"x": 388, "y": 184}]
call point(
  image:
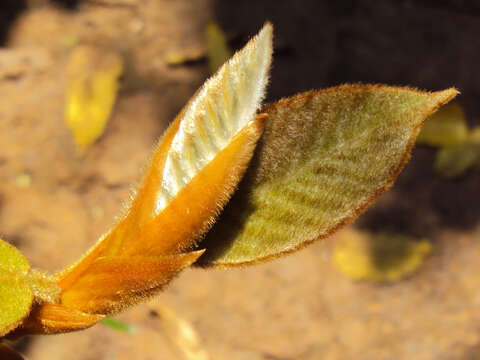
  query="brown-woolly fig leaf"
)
[
  {"x": 193, "y": 172},
  {"x": 16, "y": 295},
  {"x": 325, "y": 156},
  {"x": 7, "y": 353}
]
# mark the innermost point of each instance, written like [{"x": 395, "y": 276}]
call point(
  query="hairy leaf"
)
[
  {"x": 192, "y": 174},
  {"x": 446, "y": 127},
  {"x": 123, "y": 281},
  {"x": 54, "y": 319},
  {"x": 16, "y": 295},
  {"x": 325, "y": 156},
  {"x": 382, "y": 256},
  {"x": 93, "y": 84}
]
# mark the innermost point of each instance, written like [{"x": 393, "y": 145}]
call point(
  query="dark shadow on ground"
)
[
  {"x": 68, "y": 4},
  {"x": 22, "y": 345},
  {"x": 9, "y": 10}
]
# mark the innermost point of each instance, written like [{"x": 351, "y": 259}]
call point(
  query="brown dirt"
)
[{"x": 298, "y": 307}]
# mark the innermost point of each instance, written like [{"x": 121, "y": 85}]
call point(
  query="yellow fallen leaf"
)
[
  {"x": 93, "y": 75},
  {"x": 325, "y": 156},
  {"x": 446, "y": 127},
  {"x": 175, "y": 58},
  {"x": 383, "y": 257}
]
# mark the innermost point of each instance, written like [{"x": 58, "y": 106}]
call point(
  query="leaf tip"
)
[{"x": 444, "y": 96}]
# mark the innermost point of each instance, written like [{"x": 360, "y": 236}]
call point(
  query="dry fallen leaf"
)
[
  {"x": 93, "y": 75},
  {"x": 175, "y": 58},
  {"x": 325, "y": 156},
  {"x": 181, "y": 333},
  {"x": 383, "y": 256}
]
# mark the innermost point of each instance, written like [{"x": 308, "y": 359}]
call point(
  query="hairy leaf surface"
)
[
  {"x": 325, "y": 156},
  {"x": 54, "y": 319},
  {"x": 124, "y": 281}
]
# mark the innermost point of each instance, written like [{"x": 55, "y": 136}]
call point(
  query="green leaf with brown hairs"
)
[{"x": 325, "y": 156}]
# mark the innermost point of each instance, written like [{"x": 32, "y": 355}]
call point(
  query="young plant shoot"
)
[{"x": 325, "y": 156}]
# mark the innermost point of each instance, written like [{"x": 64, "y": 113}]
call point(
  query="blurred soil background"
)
[{"x": 54, "y": 204}]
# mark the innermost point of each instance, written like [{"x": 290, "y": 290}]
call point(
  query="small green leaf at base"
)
[{"x": 16, "y": 295}]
